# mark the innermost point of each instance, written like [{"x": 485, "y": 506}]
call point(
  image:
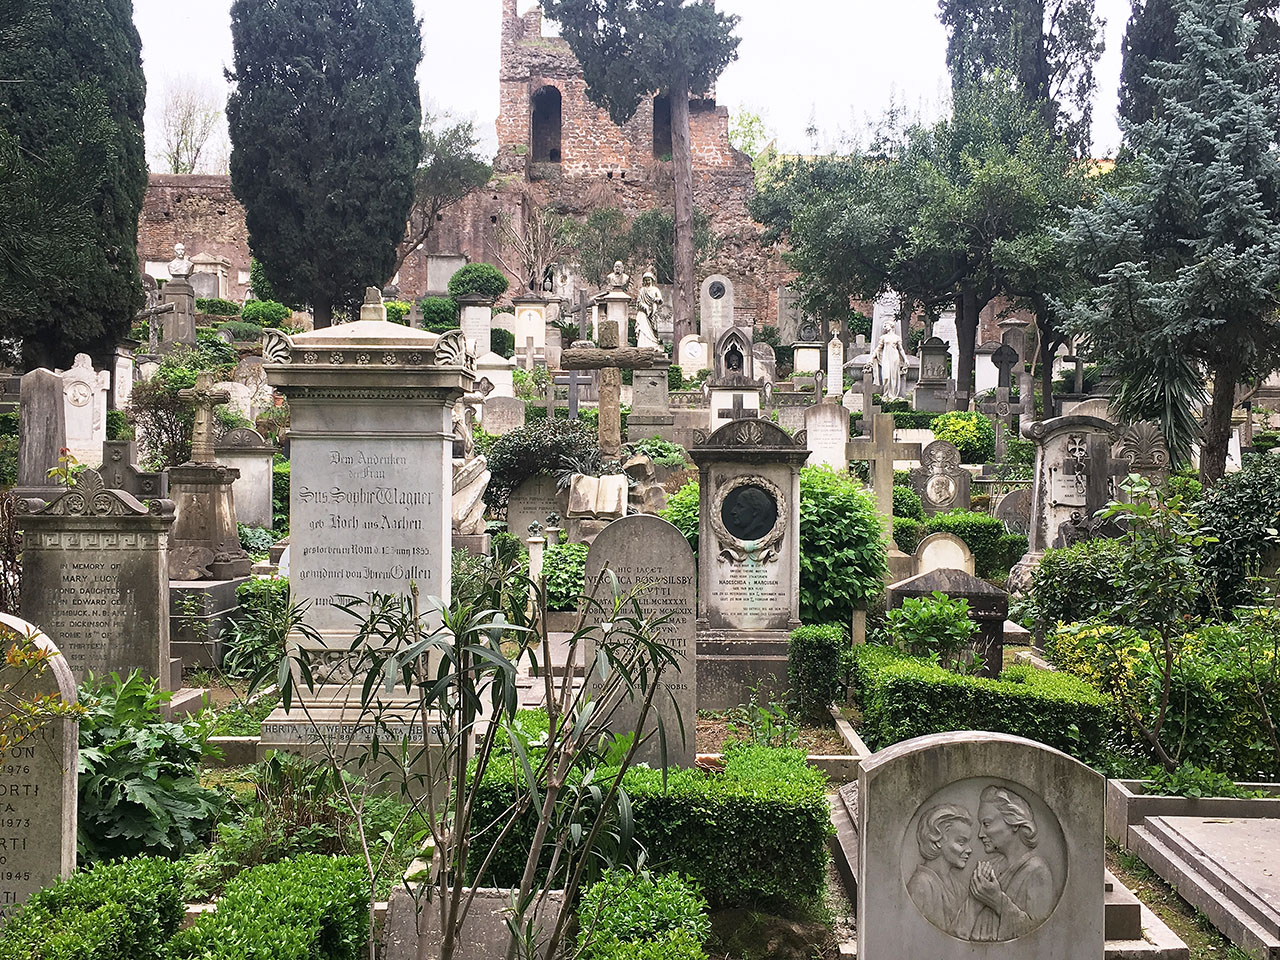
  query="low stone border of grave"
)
[
  {"x": 839, "y": 768},
  {"x": 1128, "y": 804},
  {"x": 238, "y": 751},
  {"x": 562, "y": 621}
]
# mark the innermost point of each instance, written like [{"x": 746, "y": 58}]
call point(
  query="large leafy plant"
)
[
  {"x": 140, "y": 791},
  {"x": 842, "y": 548}
]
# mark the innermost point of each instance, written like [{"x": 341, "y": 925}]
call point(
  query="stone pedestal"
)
[
  {"x": 204, "y": 544},
  {"x": 93, "y": 566},
  {"x": 748, "y": 557},
  {"x": 651, "y": 413},
  {"x": 179, "y": 326}
]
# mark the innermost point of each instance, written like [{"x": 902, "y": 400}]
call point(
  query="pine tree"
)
[
  {"x": 324, "y": 122},
  {"x": 72, "y": 176},
  {"x": 1185, "y": 258},
  {"x": 631, "y": 49}
]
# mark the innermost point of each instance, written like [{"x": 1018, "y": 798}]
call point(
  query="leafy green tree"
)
[
  {"x": 325, "y": 141},
  {"x": 72, "y": 175},
  {"x": 650, "y": 242},
  {"x": 597, "y": 242},
  {"x": 1047, "y": 47},
  {"x": 1185, "y": 258},
  {"x": 450, "y": 170},
  {"x": 633, "y": 49}
]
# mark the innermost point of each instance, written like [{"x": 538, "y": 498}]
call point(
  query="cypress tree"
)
[
  {"x": 73, "y": 172},
  {"x": 325, "y": 133}
]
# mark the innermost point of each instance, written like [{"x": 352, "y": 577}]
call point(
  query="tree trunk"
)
[
  {"x": 1047, "y": 349},
  {"x": 682, "y": 158},
  {"x": 967, "y": 310},
  {"x": 322, "y": 314},
  {"x": 1217, "y": 427},
  {"x": 38, "y": 353}
]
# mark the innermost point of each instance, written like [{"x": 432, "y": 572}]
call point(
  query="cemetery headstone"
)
[
  {"x": 694, "y": 356},
  {"x": 881, "y": 451},
  {"x": 531, "y": 326},
  {"x": 122, "y": 367},
  {"x": 835, "y": 367},
  {"x": 764, "y": 362},
  {"x": 646, "y": 551},
  {"x": 931, "y": 390},
  {"x": 985, "y": 374},
  {"x": 84, "y": 392},
  {"x": 42, "y": 432},
  {"x": 120, "y": 471},
  {"x": 651, "y": 413},
  {"x": 246, "y": 452},
  {"x": 807, "y": 357},
  {"x": 476, "y": 321},
  {"x": 748, "y": 557},
  {"x": 534, "y": 500},
  {"x": 942, "y": 483},
  {"x": 40, "y": 784},
  {"x": 501, "y": 415},
  {"x": 1014, "y": 511},
  {"x": 943, "y": 551},
  {"x": 716, "y": 304},
  {"x": 826, "y": 430},
  {"x": 94, "y": 569},
  {"x": 979, "y": 844},
  {"x": 988, "y": 608}
]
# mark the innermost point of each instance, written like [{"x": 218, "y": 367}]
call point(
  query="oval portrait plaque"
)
[
  {"x": 749, "y": 512},
  {"x": 984, "y": 860}
]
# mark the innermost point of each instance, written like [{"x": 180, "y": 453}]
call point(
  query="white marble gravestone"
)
[
  {"x": 244, "y": 450},
  {"x": 39, "y": 792},
  {"x": 649, "y": 553},
  {"x": 84, "y": 394},
  {"x": 943, "y": 551},
  {"x": 979, "y": 845},
  {"x": 694, "y": 356},
  {"x": 716, "y": 302},
  {"x": 826, "y": 427}
]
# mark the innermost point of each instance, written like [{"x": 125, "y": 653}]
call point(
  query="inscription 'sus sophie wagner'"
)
[{"x": 374, "y": 496}]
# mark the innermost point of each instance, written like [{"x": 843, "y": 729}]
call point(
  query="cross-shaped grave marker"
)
[
  {"x": 610, "y": 359},
  {"x": 573, "y": 380},
  {"x": 737, "y": 411},
  {"x": 205, "y": 398},
  {"x": 869, "y": 408},
  {"x": 528, "y": 353},
  {"x": 1004, "y": 359},
  {"x": 880, "y": 450}
]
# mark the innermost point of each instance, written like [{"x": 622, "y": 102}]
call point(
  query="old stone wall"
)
[{"x": 200, "y": 211}]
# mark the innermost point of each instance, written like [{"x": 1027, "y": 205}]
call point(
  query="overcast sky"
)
[{"x": 838, "y": 62}]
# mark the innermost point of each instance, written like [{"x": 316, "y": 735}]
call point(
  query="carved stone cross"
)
[
  {"x": 737, "y": 411},
  {"x": 205, "y": 399},
  {"x": 880, "y": 450},
  {"x": 573, "y": 380},
  {"x": 1004, "y": 359},
  {"x": 610, "y": 359}
]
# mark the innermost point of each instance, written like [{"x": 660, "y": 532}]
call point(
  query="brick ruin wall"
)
[{"x": 199, "y": 211}]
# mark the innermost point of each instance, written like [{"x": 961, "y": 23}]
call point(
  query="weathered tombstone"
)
[
  {"x": 245, "y": 451},
  {"x": 988, "y": 608},
  {"x": 826, "y": 429},
  {"x": 807, "y": 356},
  {"x": 931, "y": 390},
  {"x": 694, "y": 356},
  {"x": 476, "y": 321},
  {"x": 979, "y": 845},
  {"x": 535, "y": 499},
  {"x": 122, "y": 367},
  {"x": 765, "y": 362},
  {"x": 985, "y": 374},
  {"x": 748, "y": 558},
  {"x": 881, "y": 451},
  {"x": 594, "y": 503},
  {"x": 835, "y": 367},
  {"x": 942, "y": 483},
  {"x": 716, "y": 304},
  {"x": 42, "y": 432},
  {"x": 789, "y": 314},
  {"x": 531, "y": 326},
  {"x": 495, "y": 375},
  {"x": 645, "y": 551},
  {"x": 651, "y": 402},
  {"x": 500, "y": 415},
  {"x": 1014, "y": 510},
  {"x": 84, "y": 392},
  {"x": 120, "y": 471},
  {"x": 94, "y": 569},
  {"x": 943, "y": 551},
  {"x": 40, "y": 785}
]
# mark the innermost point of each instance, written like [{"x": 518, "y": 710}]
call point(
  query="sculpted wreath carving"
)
[{"x": 749, "y": 519}]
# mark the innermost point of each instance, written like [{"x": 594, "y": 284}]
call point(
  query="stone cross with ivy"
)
[{"x": 204, "y": 398}]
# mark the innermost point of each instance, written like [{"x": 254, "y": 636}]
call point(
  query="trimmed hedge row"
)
[
  {"x": 754, "y": 833},
  {"x": 817, "y": 663},
  {"x": 628, "y": 916},
  {"x": 903, "y": 697}
]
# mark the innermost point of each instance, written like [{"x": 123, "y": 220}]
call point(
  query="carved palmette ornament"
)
[
  {"x": 452, "y": 350},
  {"x": 90, "y": 497},
  {"x": 1142, "y": 447},
  {"x": 277, "y": 347}
]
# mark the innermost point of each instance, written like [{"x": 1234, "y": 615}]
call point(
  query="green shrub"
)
[
  {"x": 842, "y": 548},
  {"x": 564, "y": 566},
  {"x": 397, "y": 310},
  {"x": 255, "y": 641},
  {"x": 1265, "y": 440},
  {"x": 266, "y": 313},
  {"x": 502, "y": 342},
  {"x": 115, "y": 911},
  {"x": 482, "y": 278},
  {"x": 754, "y": 833},
  {"x": 9, "y": 424},
  {"x": 673, "y": 945},
  {"x": 935, "y": 628},
  {"x": 907, "y": 533},
  {"x": 257, "y": 541},
  {"x": 1019, "y": 452},
  {"x": 1076, "y": 583},
  {"x": 907, "y": 503},
  {"x": 214, "y": 351},
  {"x": 9, "y": 447},
  {"x": 308, "y": 907},
  {"x": 972, "y": 433},
  {"x": 675, "y": 377},
  {"x": 682, "y": 512},
  {"x": 118, "y": 425},
  {"x": 439, "y": 314},
  {"x": 217, "y": 307},
  {"x": 541, "y": 446},
  {"x": 817, "y": 668},
  {"x": 626, "y": 910},
  {"x": 914, "y": 419},
  {"x": 280, "y": 497},
  {"x": 241, "y": 330},
  {"x": 662, "y": 452},
  {"x": 903, "y": 697},
  {"x": 1242, "y": 513},
  {"x": 993, "y": 555},
  {"x": 140, "y": 790}
]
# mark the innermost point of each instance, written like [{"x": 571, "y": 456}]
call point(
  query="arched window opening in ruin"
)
[
  {"x": 661, "y": 127},
  {"x": 546, "y": 126}
]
